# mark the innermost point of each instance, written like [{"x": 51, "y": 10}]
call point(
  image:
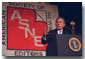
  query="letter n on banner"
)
[{"x": 24, "y": 32}]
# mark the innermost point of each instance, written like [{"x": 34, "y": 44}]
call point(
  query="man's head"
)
[{"x": 60, "y": 23}]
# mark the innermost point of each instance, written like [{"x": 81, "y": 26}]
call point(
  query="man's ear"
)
[{"x": 64, "y": 25}]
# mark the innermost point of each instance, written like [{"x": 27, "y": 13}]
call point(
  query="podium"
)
[{"x": 69, "y": 45}]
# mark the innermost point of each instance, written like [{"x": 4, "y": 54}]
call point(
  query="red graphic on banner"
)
[{"x": 23, "y": 31}]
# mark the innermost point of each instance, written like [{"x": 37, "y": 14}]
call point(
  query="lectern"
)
[{"x": 69, "y": 45}]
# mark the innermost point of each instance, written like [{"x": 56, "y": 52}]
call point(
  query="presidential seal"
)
[{"x": 74, "y": 44}]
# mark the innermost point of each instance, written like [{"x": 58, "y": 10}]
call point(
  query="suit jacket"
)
[{"x": 51, "y": 49}]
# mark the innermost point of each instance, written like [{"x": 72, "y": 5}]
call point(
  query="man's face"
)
[{"x": 60, "y": 24}]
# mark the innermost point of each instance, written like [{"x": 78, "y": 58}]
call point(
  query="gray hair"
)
[{"x": 60, "y": 18}]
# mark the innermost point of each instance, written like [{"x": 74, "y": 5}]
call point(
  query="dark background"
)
[{"x": 71, "y": 11}]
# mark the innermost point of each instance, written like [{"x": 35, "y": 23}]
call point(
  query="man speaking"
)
[{"x": 50, "y": 37}]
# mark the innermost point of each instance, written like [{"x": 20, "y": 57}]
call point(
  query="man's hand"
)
[{"x": 45, "y": 32}]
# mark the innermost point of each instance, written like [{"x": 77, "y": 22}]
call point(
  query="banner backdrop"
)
[
  {"x": 23, "y": 25},
  {"x": 24, "y": 30}
]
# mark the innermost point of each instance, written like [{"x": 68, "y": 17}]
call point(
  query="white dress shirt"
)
[{"x": 60, "y": 31}]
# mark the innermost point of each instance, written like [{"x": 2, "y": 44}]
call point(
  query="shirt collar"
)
[{"x": 60, "y": 30}]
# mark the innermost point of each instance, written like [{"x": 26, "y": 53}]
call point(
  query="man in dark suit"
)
[{"x": 50, "y": 37}]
